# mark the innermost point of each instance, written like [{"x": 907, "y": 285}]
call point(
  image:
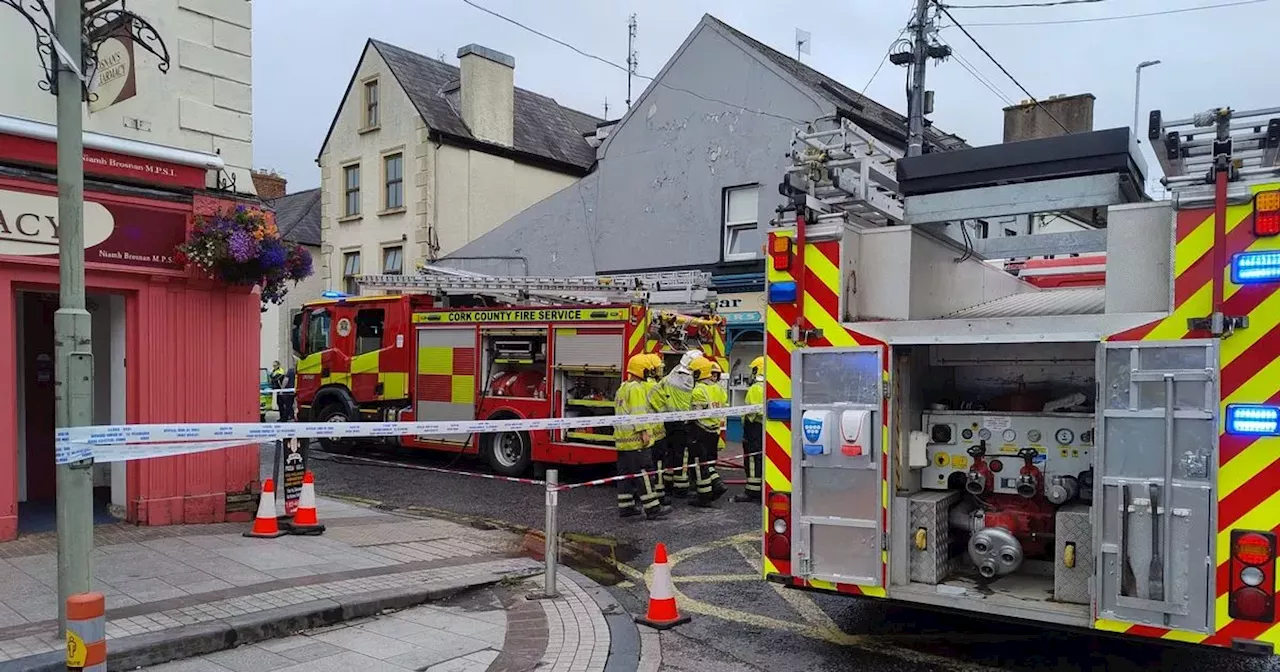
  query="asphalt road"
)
[{"x": 740, "y": 622}]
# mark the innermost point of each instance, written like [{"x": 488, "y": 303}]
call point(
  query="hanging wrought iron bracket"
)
[{"x": 103, "y": 19}]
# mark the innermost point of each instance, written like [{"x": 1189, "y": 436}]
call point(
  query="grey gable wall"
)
[{"x": 656, "y": 197}]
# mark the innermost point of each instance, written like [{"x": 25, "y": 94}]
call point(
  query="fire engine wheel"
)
[
  {"x": 509, "y": 453},
  {"x": 334, "y": 413}
]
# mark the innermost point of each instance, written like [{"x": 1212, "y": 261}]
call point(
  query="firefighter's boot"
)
[
  {"x": 657, "y": 512},
  {"x": 747, "y": 498}
]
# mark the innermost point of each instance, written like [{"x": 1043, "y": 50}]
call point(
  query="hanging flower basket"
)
[{"x": 243, "y": 247}]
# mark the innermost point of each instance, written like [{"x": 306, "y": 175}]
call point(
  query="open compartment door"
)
[
  {"x": 1158, "y": 444},
  {"x": 837, "y": 464}
]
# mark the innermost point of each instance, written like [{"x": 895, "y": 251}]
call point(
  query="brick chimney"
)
[
  {"x": 488, "y": 93},
  {"x": 1029, "y": 121},
  {"x": 269, "y": 185}
]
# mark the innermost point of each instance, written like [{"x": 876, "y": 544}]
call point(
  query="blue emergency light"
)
[
  {"x": 333, "y": 294},
  {"x": 1253, "y": 419},
  {"x": 778, "y": 409},
  {"x": 782, "y": 292},
  {"x": 1255, "y": 267}
]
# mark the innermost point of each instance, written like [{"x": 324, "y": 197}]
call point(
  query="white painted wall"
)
[
  {"x": 203, "y": 103},
  {"x": 477, "y": 191},
  {"x": 452, "y": 195}
]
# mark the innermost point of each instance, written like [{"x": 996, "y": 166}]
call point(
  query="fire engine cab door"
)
[
  {"x": 1157, "y": 445},
  {"x": 836, "y": 464}
]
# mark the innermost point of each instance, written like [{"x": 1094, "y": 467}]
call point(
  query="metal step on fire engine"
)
[
  {"x": 676, "y": 290},
  {"x": 846, "y": 172},
  {"x": 1186, "y": 147}
]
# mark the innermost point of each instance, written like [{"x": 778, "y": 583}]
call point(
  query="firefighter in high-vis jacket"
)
[
  {"x": 656, "y": 402},
  {"x": 753, "y": 437},
  {"x": 704, "y": 436},
  {"x": 632, "y": 443},
  {"x": 675, "y": 393},
  {"x": 721, "y": 399}
]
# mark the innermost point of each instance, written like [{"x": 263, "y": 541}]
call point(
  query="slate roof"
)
[
  {"x": 298, "y": 217},
  {"x": 542, "y": 127},
  {"x": 872, "y": 115}
]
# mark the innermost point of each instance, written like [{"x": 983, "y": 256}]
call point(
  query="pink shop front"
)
[{"x": 169, "y": 346}]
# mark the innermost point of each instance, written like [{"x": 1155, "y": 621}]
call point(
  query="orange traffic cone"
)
[
  {"x": 305, "y": 520},
  {"x": 662, "y": 614},
  {"x": 265, "y": 525}
]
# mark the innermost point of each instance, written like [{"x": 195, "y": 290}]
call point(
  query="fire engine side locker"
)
[
  {"x": 445, "y": 377},
  {"x": 1157, "y": 434},
  {"x": 838, "y": 487}
]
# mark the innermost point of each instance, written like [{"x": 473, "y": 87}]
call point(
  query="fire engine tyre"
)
[
  {"x": 509, "y": 453},
  {"x": 334, "y": 412}
]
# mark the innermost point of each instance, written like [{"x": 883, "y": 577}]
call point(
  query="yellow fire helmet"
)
[
  {"x": 715, "y": 367},
  {"x": 655, "y": 363},
  {"x": 701, "y": 368},
  {"x": 757, "y": 366},
  {"x": 638, "y": 365}
]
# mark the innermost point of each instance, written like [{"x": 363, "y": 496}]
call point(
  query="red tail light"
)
[
  {"x": 1253, "y": 576},
  {"x": 1266, "y": 213},
  {"x": 781, "y": 252},
  {"x": 778, "y": 537}
]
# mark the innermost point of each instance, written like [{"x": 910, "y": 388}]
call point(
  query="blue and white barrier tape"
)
[{"x": 118, "y": 443}]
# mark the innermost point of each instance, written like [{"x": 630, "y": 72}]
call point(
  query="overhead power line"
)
[
  {"x": 624, "y": 68},
  {"x": 1050, "y": 3},
  {"x": 981, "y": 78},
  {"x": 1013, "y": 79},
  {"x": 1096, "y": 19}
]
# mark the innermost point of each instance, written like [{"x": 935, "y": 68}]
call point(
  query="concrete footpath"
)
[{"x": 377, "y": 591}]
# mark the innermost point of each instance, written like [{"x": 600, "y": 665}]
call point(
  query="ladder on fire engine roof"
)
[
  {"x": 845, "y": 172},
  {"x": 676, "y": 290},
  {"x": 1186, "y": 148}
]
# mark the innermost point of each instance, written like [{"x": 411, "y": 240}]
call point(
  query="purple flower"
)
[
  {"x": 272, "y": 253},
  {"x": 241, "y": 246}
]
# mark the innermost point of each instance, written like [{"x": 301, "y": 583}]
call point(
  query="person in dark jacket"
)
[{"x": 287, "y": 398}]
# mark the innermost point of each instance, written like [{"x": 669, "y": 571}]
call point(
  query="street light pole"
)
[
  {"x": 71, "y": 325},
  {"x": 1137, "y": 90}
]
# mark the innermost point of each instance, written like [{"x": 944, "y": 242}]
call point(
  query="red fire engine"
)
[{"x": 467, "y": 347}]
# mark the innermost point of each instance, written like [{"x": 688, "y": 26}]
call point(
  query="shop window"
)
[
  {"x": 393, "y": 261},
  {"x": 741, "y": 223},
  {"x": 369, "y": 330},
  {"x": 371, "y": 104},
  {"x": 318, "y": 339},
  {"x": 351, "y": 185},
  {"x": 393, "y": 193},
  {"x": 351, "y": 273}
]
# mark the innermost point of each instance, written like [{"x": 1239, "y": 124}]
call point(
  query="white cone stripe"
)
[
  {"x": 661, "y": 588},
  {"x": 307, "y": 500},
  {"x": 267, "y": 505}
]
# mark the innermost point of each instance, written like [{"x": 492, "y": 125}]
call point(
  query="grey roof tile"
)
[
  {"x": 298, "y": 216},
  {"x": 542, "y": 127}
]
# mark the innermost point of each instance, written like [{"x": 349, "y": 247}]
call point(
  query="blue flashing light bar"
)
[
  {"x": 782, "y": 292},
  {"x": 1253, "y": 419},
  {"x": 1255, "y": 267},
  {"x": 333, "y": 294},
  {"x": 778, "y": 409}
]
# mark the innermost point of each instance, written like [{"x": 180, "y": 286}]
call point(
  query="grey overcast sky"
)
[{"x": 304, "y": 52}]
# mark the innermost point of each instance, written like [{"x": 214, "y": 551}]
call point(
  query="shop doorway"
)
[{"x": 37, "y": 488}]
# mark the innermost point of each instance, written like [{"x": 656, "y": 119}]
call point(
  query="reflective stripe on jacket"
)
[
  {"x": 704, "y": 396},
  {"x": 630, "y": 400},
  {"x": 656, "y": 402}
]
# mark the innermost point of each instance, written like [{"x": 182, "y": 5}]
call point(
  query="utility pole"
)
[
  {"x": 915, "y": 101},
  {"x": 71, "y": 326},
  {"x": 631, "y": 55}
]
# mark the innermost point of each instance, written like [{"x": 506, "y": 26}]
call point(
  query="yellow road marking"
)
[{"x": 875, "y": 644}]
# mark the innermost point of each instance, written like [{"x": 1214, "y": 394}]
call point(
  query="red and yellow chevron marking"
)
[
  {"x": 822, "y": 309},
  {"x": 1248, "y": 467}
]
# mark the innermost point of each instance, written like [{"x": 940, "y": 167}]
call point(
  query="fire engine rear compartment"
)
[
  {"x": 961, "y": 414},
  {"x": 1018, "y": 424}
]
